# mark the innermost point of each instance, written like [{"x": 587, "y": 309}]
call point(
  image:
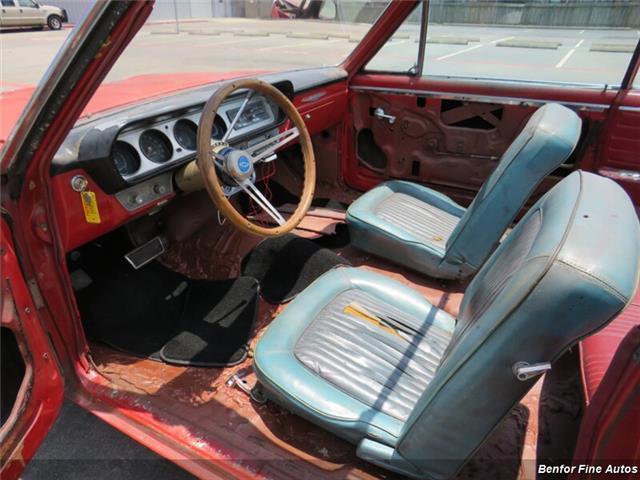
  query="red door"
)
[
  {"x": 620, "y": 154},
  {"x": 32, "y": 382}
]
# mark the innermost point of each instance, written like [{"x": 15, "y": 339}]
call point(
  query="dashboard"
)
[{"x": 128, "y": 155}]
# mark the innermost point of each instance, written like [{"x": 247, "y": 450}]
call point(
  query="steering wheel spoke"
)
[
  {"x": 237, "y": 116},
  {"x": 250, "y": 189},
  {"x": 217, "y": 159},
  {"x": 265, "y": 149}
]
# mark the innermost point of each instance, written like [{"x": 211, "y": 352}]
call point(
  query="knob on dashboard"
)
[
  {"x": 136, "y": 199},
  {"x": 159, "y": 189}
]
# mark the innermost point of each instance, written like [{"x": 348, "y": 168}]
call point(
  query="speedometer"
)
[
  {"x": 219, "y": 128},
  {"x": 155, "y": 146},
  {"x": 125, "y": 158},
  {"x": 186, "y": 132}
]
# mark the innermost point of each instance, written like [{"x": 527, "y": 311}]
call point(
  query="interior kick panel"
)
[{"x": 433, "y": 141}]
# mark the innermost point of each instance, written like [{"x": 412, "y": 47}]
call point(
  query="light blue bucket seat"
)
[
  {"x": 418, "y": 391},
  {"x": 426, "y": 231}
]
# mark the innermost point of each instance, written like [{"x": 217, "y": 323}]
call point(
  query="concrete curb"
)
[
  {"x": 309, "y": 36},
  {"x": 537, "y": 27},
  {"x": 612, "y": 47},
  {"x": 525, "y": 43}
]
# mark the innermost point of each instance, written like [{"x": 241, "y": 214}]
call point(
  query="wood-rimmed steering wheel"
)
[{"x": 237, "y": 165}]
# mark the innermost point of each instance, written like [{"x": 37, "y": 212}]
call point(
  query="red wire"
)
[{"x": 254, "y": 210}]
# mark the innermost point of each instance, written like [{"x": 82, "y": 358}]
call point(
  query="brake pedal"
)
[{"x": 140, "y": 256}]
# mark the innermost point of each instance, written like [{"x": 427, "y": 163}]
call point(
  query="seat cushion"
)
[
  {"x": 406, "y": 223},
  {"x": 342, "y": 370},
  {"x": 597, "y": 351}
]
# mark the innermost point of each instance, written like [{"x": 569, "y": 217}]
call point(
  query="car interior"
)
[
  {"x": 396, "y": 330},
  {"x": 321, "y": 273}
]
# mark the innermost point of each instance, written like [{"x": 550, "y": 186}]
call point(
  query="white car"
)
[{"x": 29, "y": 13}]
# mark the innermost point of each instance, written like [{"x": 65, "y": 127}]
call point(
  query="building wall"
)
[
  {"x": 167, "y": 9},
  {"x": 575, "y": 13}
]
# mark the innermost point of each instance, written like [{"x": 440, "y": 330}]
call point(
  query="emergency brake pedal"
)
[{"x": 140, "y": 256}]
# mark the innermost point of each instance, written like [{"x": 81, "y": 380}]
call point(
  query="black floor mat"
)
[
  {"x": 215, "y": 325},
  {"x": 141, "y": 311},
  {"x": 286, "y": 265}
]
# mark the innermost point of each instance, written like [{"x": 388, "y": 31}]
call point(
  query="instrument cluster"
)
[{"x": 142, "y": 150}]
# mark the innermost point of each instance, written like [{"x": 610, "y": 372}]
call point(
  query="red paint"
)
[
  {"x": 609, "y": 433},
  {"x": 41, "y": 394},
  {"x": 117, "y": 94},
  {"x": 73, "y": 228},
  {"x": 621, "y": 140},
  {"x": 323, "y": 107},
  {"x": 597, "y": 351}
]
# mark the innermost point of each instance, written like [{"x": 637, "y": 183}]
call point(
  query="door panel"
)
[
  {"x": 39, "y": 393},
  {"x": 620, "y": 154},
  {"x": 450, "y": 135},
  {"x": 433, "y": 140}
]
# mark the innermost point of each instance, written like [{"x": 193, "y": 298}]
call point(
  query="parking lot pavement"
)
[
  {"x": 81, "y": 446},
  {"x": 531, "y": 54}
]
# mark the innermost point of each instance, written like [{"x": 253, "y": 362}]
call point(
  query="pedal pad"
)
[{"x": 142, "y": 255}]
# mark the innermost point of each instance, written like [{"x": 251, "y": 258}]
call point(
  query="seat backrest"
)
[
  {"x": 569, "y": 266},
  {"x": 545, "y": 143}
]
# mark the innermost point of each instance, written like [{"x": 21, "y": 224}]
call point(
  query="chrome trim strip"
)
[
  {"x": 595, "y": 107},
  {"x": 619, "y": 174},
  {"x": 51, "y": 79},
  {"x": 530, "y": 83},
  {"x": 629, "y": 109}
]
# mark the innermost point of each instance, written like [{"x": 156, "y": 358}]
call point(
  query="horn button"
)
[{"x": 237, "y": 164}]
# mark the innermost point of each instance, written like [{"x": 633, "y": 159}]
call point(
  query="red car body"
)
[{"x": 36, "y": 297}]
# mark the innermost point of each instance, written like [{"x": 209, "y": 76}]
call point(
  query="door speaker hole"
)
[{"x": 369, "y": 153}]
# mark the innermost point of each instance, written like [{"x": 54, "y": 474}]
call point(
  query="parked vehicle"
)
[
  {"x": 350, "y": 10},
  {"x": 29, "y": 13},
  {"x": 343, "y": 249}
]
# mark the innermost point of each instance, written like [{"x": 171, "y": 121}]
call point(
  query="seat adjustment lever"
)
[{"x": 524, "y": 371}]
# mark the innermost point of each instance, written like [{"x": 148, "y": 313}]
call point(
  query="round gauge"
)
[
  {"x": 186, "y": 133},
  {"x": 155, "y": 146},
  {"x": 126, "y": 158},
  {"x": 219, "y": 128}
]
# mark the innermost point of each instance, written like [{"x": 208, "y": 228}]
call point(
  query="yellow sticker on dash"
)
[{"x": 90, "y": 207}]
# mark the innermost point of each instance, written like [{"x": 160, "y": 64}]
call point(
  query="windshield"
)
[{"x": 203, "y": 37}]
